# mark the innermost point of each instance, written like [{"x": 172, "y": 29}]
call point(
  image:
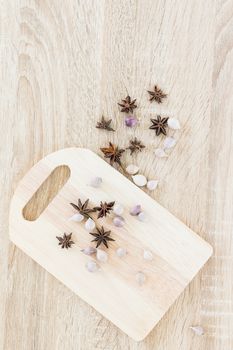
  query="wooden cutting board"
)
[{"x": 178, "y": 253}]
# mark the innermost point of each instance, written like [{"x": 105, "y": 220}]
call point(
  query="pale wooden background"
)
[{"x": 63, "y": 64}]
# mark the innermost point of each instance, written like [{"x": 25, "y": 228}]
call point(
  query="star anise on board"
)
[
  {"x": 135, "y": 145},
  {"x": 159, "y": 125},
  {"x": 65, "y": 241},
  {"x": 128, "y": 105},
  {"x": 101, "y": 237},
  {"x": 82, "y": 208},
  {"x": 113, "y": 153},
  {"x": 104, "y": 124},
  {"x": 157, "y": 95},
  {"x": 104, "y": 208}
]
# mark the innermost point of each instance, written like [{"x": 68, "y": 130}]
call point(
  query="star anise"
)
[
  {"x": 104, "y": 124},
  {"x": 135, "y": 145},
  {"x": 159, "y": 125},
  {"x": 65, "y": 241},
  {"x": 113, "y": 153},
  {"x": 104, "y": 208},
  {"x": 101, "y": 237},
  {"x": 128, "y": 105},
  {"x": 157, "y": 94},
  {"x": 82, "y": 208}
]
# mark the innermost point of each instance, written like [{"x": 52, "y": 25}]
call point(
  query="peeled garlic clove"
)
[
  {"x": 76, "y": 217},
  {"x": 136, "y": 210},
  {"x": 92, "y": 266},
  {"x": 142, "y": 217},
  {"x": 152, "y": 184},
  {"x": 88, "y": 250},
  {"x": 140, "y": 278},
  {"x": 139, "y": 180},
  {"x": 169, "y": 142},
  {"x": 173, "y": 123},
  {"x": 118, "y": 209},
  {"x": 121, "y": 252},
  {"x": 96, "y": 181},
  {"x": 90, "y": 224},
  {"x": 159, "y": 152},
  {"x": 118, "y": 221},
  {"x": 197, "y": 330},
  {"x": 147, "y": 255},
  {"x": 132, "y": 169},
  {"x": 101, "y": 255}
]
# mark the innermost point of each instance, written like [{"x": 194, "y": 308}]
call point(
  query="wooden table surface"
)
[{"x": 63, "y": 65}]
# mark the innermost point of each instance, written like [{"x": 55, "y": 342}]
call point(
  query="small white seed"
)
[
  {"x": 147, "y": 255},
  {"x": 121, "y": 252},
  {"x": 118, "y": 221},
  {"x": 76, "y": 217},
  {"x": 88, "y": 250},
  {"x": 96, "y": 182},
  {"x": 142, "y": 217},
  {"x": 140, "y": 278},
  {"x": 90, "y": 224},
  {"x": 92, "y": 266},
  {"x": 139, "y": 180},
  {"x": 118, "y": 209},
  {"x": 152, "y": 184},
  {"x": 132, "y": 169},
  {"x": 173, "y": 123},
  {"x": 101, "y": 255},
  {"x": 136, "y": 210}
]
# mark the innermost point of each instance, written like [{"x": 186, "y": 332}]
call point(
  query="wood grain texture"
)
[{"x": 63, "y": 64}]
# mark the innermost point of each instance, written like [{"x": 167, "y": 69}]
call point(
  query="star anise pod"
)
[
  {"x": 82, "y": 208},
  {"x": 113, "y": 153},
  {"x": 128, "y": 105},
  {"x": 101, "y": 237},
  {"x": 159, "y": 125},
  {"x": 157, "y": 94},
  {"x": 135, "y": 145},
  {"x": 65, "y": 241},
  {"x": 104, "y": 124},
  {"x": 104, "y": 208}
]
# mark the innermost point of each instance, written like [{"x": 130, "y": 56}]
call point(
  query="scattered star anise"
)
[
  {"x": 101, "y": 237},
  {"x": 82, "y": 208},
  {"x": 65, "y": 241},
  {"x": 113, "y": 153},
  {"x": 128, "y": 105},
  {"x": 159, "y": 125},
  {"x": 104, "y": 124},
  {"x": 135, "y": 145},
  {"x": 157, "y": 94},
  {"x": 104, "y": 209}
]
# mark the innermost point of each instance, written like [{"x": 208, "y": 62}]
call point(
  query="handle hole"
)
[{"x": 46, "y": 193}]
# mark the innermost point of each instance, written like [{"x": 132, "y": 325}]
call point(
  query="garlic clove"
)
[
  {"x": 139, "y": 180},
  {"x": 76, "y": 217},
  {"x": 198, "y": 330},
  {"x": 173, "y": 123},
  {"x": 121, "y": 252},
  {"x": 132, "y": 169},
  {"x": 142, "y": 217},
  {"x": 118, "y": 221},
  {"x": 118, "y": 209},
  {"x": 152, "y": 184},
  {"x": 147, "y": 255},
  {"x": 131, "y": 121},
  {"x": 136, "y": 210},
  {"x": 140, "y": 278},
  {"x": 89, "y": 250},
  {"x": 169, "y": 142},
  {"x": 96, "y": 182},
  {"x": 159, "y": 152},
  {"x": 92, "y": 266},
  {"x": 101, "y": 255},
  {"x": 90, "y": 224}
]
